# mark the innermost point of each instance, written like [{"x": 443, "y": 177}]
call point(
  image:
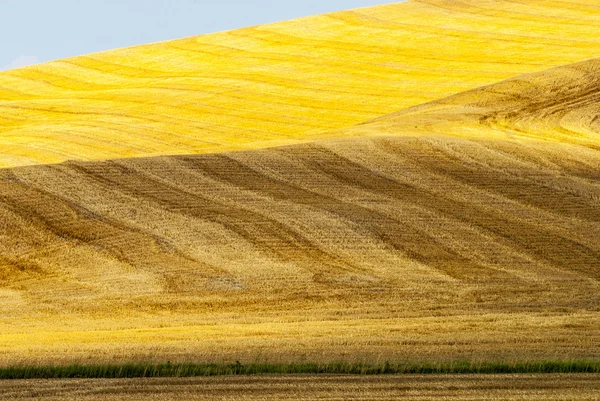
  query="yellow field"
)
[
  {"x": 560, "y": 105},
  {"x": 281, "y": 83},
  {"x": 419, "y": 248},
  {"x": 463, "y": 228}
]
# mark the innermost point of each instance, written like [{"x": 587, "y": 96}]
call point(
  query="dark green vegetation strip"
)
[{"x": 195, "y": 370}]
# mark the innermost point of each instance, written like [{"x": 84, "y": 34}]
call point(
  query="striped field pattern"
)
[
  {"x": 281, "y": 83},
  {"x": 310, "y": 191}
]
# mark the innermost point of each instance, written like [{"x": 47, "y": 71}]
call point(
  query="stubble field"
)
[
  {"x": 446, "y": 388},
  {"x": 416, "y": 248},
  {"x": 149, "y": 211}
]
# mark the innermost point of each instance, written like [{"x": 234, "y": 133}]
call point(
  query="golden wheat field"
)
[
  {"x": 281, "y": 83},
  {"x": 411, "y": 182},
  {"x": 446, "y": 388}
]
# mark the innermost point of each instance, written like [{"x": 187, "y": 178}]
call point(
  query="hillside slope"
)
[
  {"x": 559, "y": 105},
  {"x": 282, "y": 83},
  {"x": 413, "y": 248},
  {"x": 460, "y": 240}
]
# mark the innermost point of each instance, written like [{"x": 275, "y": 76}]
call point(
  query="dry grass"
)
[
  {"x": 503, "y": 387},
  {"x": 366, "y": 249},
  {"x": 281, "y": 83}
]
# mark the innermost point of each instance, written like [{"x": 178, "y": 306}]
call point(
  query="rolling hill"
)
[
  {"x": 376, "y": 243},
  {"x": 460, "y": 227},
  {"x": 281, "y": 83},
  {"x": 560, "y": 105}
]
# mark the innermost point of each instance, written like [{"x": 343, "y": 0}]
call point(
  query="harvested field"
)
[
  {"x": 456, "y": 388},
  {"x": 462, "y": 229},
  {"x": 281, "y": 83},
  {"x": 411, "y": 248},
  {"x": 558, "y": 105}
]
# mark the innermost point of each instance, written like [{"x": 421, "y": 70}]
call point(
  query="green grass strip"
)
[{"x": 203, "y": 370}]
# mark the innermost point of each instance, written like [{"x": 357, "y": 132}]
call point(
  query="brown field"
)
[{"x": 457, "y": 388}]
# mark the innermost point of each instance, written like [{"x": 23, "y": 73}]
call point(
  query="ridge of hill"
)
[
  {"x": 283, "y": 83},
  {"x": 559, "y": 105}
]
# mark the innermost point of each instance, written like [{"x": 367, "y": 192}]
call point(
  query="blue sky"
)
[{"x": 33, "y": 31}]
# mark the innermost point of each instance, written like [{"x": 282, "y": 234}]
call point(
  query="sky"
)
[{"x": 35, "y": 31}]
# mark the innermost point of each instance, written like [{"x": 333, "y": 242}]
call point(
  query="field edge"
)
[{"x": 124, "y": 371}]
